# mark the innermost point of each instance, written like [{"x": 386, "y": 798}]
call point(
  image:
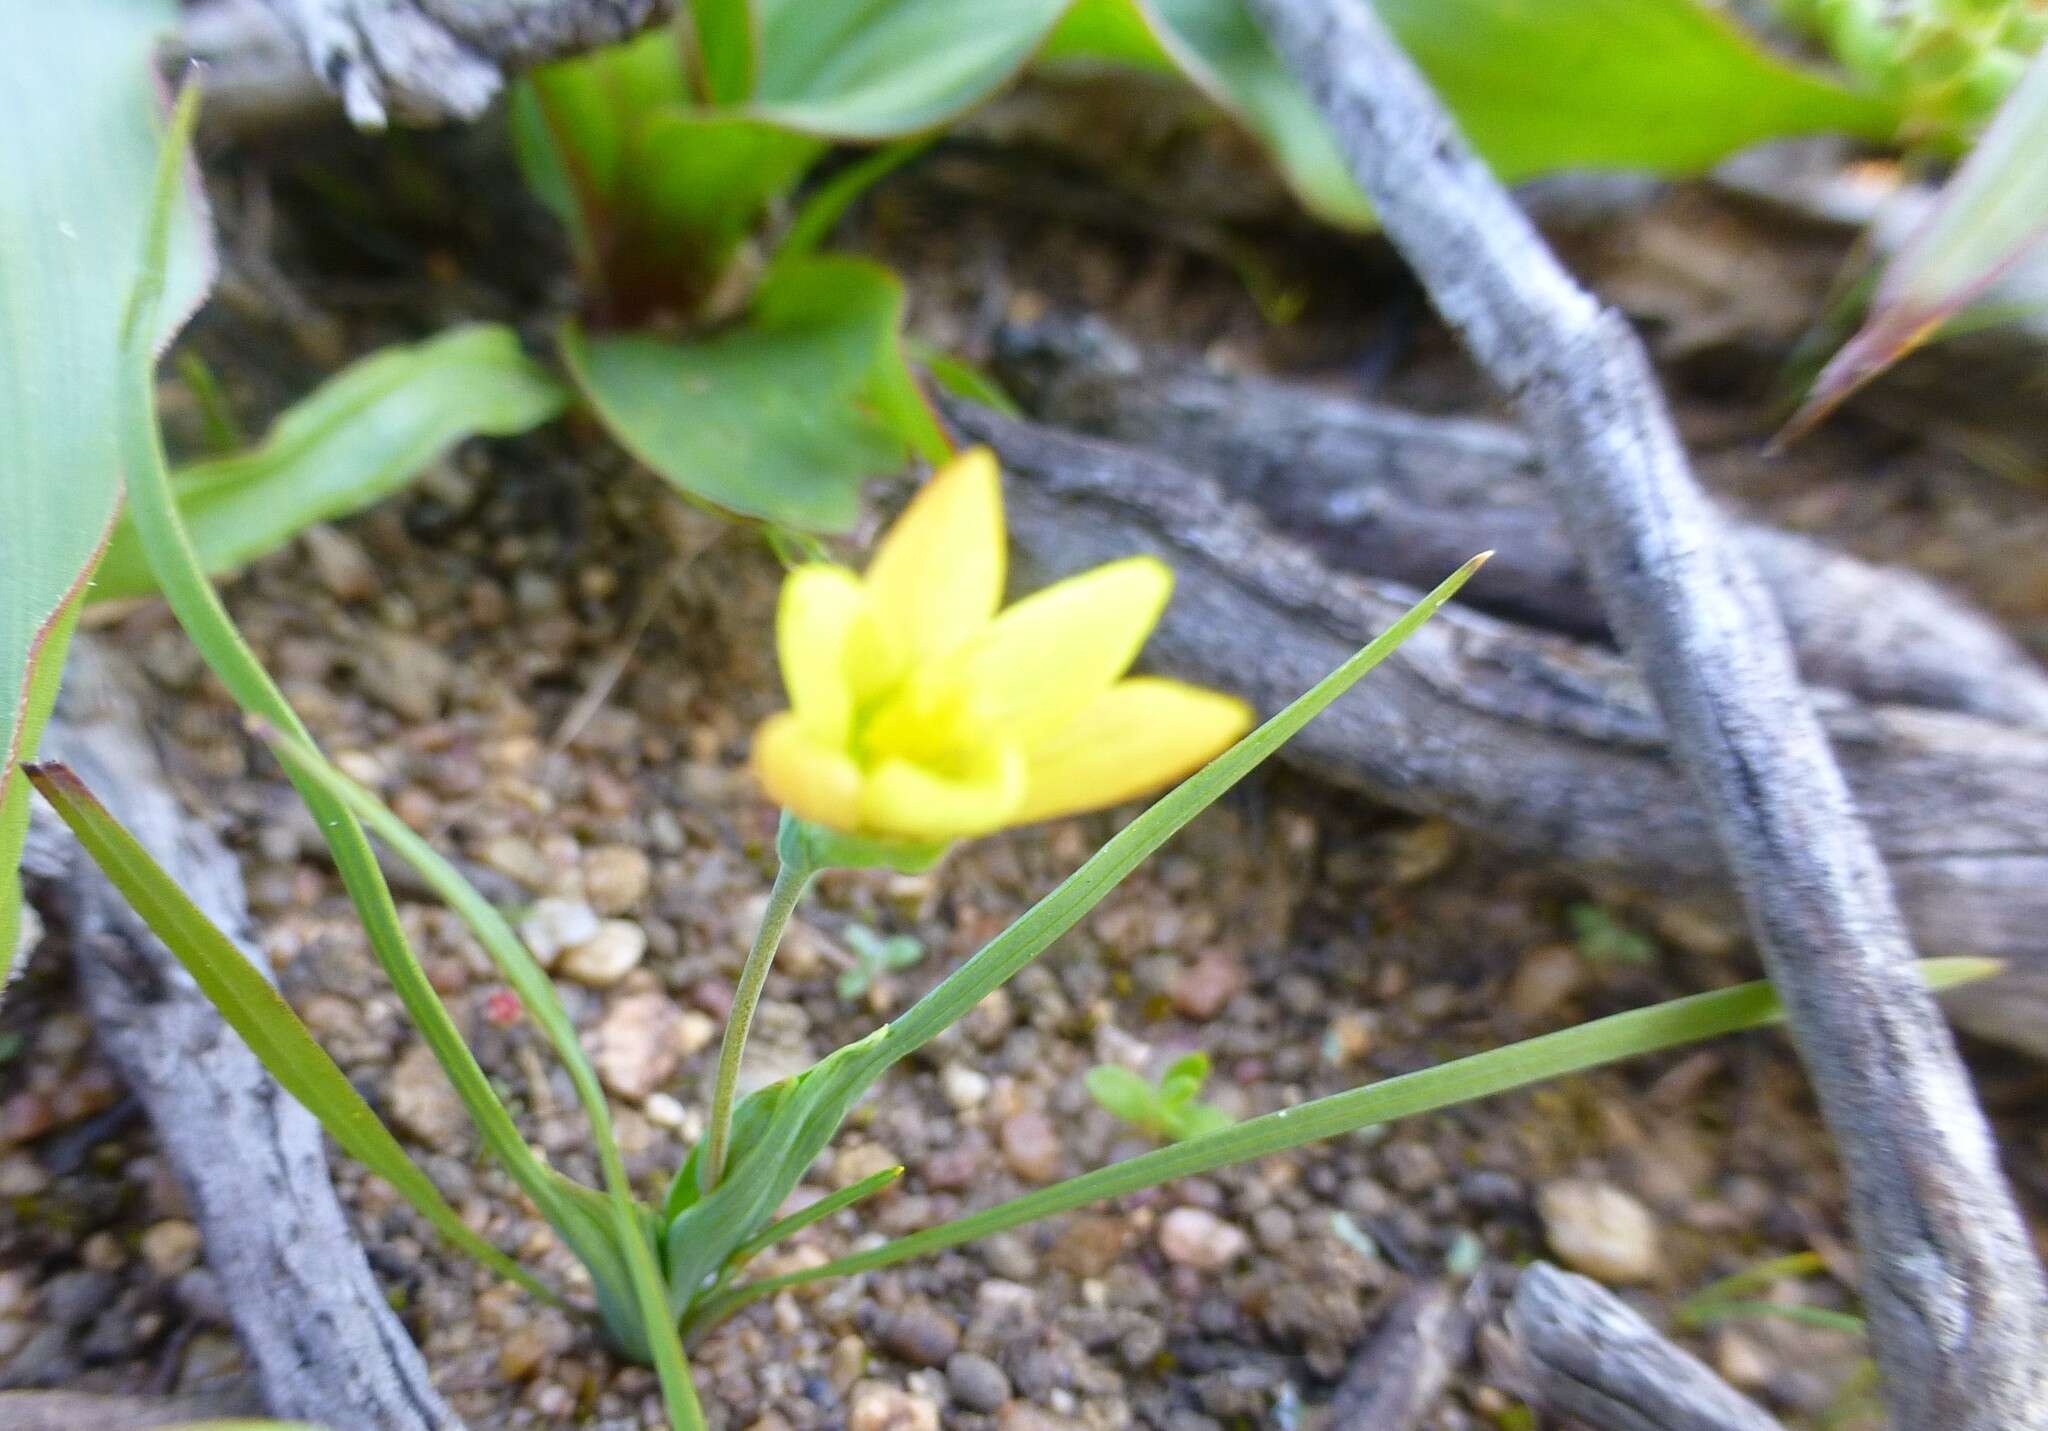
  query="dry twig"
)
[
  {"x": 1578, "y": 1352},
  {"x": 1406, "y": 497},
  {"x": 1546, "y": 745},
  {"x": 1958, "y": 1307}
]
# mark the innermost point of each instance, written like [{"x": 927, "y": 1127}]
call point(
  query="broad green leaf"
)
[
  {"x": 696, "y": 187},
  {"x": 256, "y": 1011},
  {"x": 1665, "y": 86},
  {"x": 1482, "y": 1075},
  {"x": 877, "y": 69},
  {"x": 1991, "y": 217},
  {"x": 777, "y": 418},
  {"x": 1105, "y": 32},
  {"x": 358, "y": 437},
  {"x": 78, "y": 109},
  {"x": 724, "y": 49}
]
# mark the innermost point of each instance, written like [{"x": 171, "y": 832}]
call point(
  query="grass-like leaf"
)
[
  {"x": 198, "y": 607},
  {"x": 256, "y": 1011},
  {"x": 780, "y": 1131},
  {"x": 1482, "y": 1075}
]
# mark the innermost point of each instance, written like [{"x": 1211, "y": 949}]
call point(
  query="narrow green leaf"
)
[
  {"x": 770, "y": 419},
  {"x": 256, "y": 1011},
  {"x": 878, "y": 69},
  {"x": 823, "y": 208},
  {"x": 1482, "y": 1075},
  {"x": 78, "y": 109},
  {"x": 199, "y": 610},
  {"x": 1757, "y": 1275},
  {"x": 646, "y": 1292},
  {"x": 817, "y": 1212},
  {"x": 1990, "y": 217},
  {"x": 357, "y": 438},
  {"x": 779, "y": 1132},
  {"x": 1081, "y": 891},
  {"x": 962, "y": 378},
  {"x": 1707, "y": 1314}
]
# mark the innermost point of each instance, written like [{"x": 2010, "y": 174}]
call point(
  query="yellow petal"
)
[
  {"x": 937, "y": 576},
  {"x": 917, "y": 802},
  {"x": 1047, "y": 657},
  {"x": 814, "y": 626},
  {"x": 816, "y": 781},
  {"x": 1139, "y": 735}
]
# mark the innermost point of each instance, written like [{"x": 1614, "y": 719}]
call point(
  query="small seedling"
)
[
  {"x": 1165, "y": 1110},
  {"x": 1604, "y": 939},
  {"x": 874, "y": 958}
]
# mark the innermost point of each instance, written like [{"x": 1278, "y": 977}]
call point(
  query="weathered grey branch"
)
[
  {"x": 323, "y": 1340},
  {"x": 416, "y": 61},
  {"x": 1578, "y": 1352},
  {"x": 1401, "y": 1373},
  {"x": 1405, "y": 497},
  {"x": 1957, "y": 1303},
  {"x": 1546, "y": 745}
]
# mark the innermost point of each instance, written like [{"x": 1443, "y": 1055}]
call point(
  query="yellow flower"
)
[{"x": 919, "y": 713}]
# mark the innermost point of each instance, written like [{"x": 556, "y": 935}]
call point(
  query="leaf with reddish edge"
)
[
  {"x": 1991, "y": 217},
  {"x": 79, "y": 109}
]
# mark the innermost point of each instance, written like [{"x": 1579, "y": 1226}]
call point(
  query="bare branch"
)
[
  {"x": 1401, "y": 1373},
  {"x": 1580, "y": 1353},
  {"x": 1545, "y": 745},
  {"x": 1406, "y": 497},
  {"x": 1958, "y": 1307},
  {"x": 416, "y": 61}
]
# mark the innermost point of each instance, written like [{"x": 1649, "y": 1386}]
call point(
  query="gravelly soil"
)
[{"x": 551, "y": 667}]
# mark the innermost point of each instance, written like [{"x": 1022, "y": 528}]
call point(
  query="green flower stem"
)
[{"x": 792, "y": 878}]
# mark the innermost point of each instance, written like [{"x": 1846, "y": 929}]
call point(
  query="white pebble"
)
[
  {"x": 555, "y": 925},
  {"x": 608, "y": 956}
]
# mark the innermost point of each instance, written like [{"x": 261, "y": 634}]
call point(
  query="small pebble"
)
[
  {"x": 608, "y": 956},
  {"x": 664, "y": 1111},
  {"x": 921, "y": 1335},
  {"x": 963, "y": 1087},
  {"x": 1546, "y": 978},
  {"x": 860, "y": 1161},
  {"x": 71, "y": 1299},
  {"x": 1031, "y": 1146},
  {"x": 1194, "y": 1237},
  {"x": 1600, "y": 1230},
  {"x": 638, "y": 1045},
  {"x": 22, "y": 1176},
  {"x": 976, "y": 1383},
  {"x": 1200, "y": 990},
  {"x": 522, "y": 1354},
  {"x": 616, "y": 877},
  {"x": 877, "y": 1406},
  {"x": 556, "y": 925},
  {"x": 420, "y": 1100},
  {"x": 339, "y": 563}
]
